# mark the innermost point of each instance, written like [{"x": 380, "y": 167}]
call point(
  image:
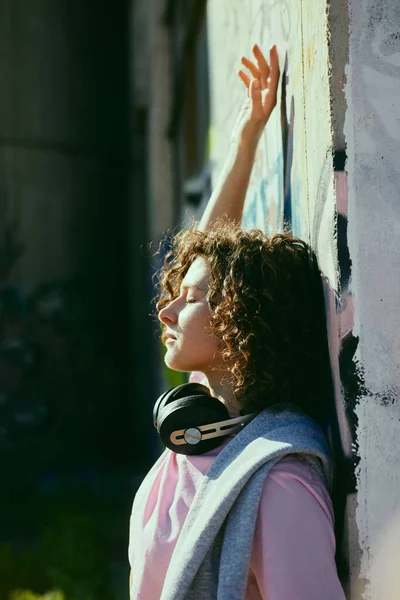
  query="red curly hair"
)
[{"x": 267, "y": 309}]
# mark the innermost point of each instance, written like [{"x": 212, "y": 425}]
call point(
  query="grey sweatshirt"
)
[{"x": 211, "y": 559}]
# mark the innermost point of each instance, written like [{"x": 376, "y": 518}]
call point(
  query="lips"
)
[{"x": 170, "y": 336}]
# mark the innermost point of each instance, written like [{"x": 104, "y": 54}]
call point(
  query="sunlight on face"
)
[{"x": 191, "y": 345}]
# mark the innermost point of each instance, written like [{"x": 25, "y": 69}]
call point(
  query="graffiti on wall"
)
[
  {"x": 292, "y": 184},
  {"x": 278, "y": 192},
  {"x": 274, "y": 211}
]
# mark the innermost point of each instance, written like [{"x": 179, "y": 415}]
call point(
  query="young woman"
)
[{"x": 246, "y": 515}]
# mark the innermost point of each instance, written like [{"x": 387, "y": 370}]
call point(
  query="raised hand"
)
[
  {"x": 262, "y": 85},
  {"x": 227, "y": 199}
]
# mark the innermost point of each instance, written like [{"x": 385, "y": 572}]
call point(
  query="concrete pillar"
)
[{"x": 60, "y": 130}]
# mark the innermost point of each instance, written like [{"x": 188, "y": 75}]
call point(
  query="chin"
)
[
  {"x": 181, "y": 366},
  {"x": 175, "y": 365},
  {"x": 178, "y": 367}
]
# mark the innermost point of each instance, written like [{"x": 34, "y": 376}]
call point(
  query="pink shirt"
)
[{"x": 294, "y": 544}]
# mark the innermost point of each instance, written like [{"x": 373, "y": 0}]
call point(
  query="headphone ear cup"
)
[
  {"x": 189, "y": 411},
  {"x": 175, "y": 393},
  {"x": 156, "y": 408}
]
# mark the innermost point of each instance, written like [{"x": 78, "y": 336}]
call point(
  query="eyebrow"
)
[{"x": 187, "y": 286}]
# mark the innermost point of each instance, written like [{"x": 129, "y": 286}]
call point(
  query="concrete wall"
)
[
  {"x": 293, "y": 180},
  {"x": 372, "y": 132},
  {"x": 293, "y": 176}
]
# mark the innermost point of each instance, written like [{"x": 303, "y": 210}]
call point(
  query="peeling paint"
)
[{"x": 372, "y": 132}]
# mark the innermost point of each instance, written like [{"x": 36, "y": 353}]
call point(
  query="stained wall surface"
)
[
  {"x": 293, "y": 181},
  {"x": 293, "y": 177},
  {"x": 372, "y": 132}
]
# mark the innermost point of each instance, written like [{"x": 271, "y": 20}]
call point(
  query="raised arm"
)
[{"x": 229, "y": 194}]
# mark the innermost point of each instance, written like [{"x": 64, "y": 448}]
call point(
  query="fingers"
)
[
  {"x": 274, "y": 75},
  {"x": 263, "y": 66},
  {"x": 260, "y": 71},
  {"x": 245, "y": 78},
  {"x": 262, "y": 63},
  {"x": 251, "y": 67},
  {"x": 266, "y": 75},
  {"x": 255, "y": 93},
  {"x": 270, "y": 98}
]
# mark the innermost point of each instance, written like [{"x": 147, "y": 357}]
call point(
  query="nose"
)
[{"x": 168, "y": 314}]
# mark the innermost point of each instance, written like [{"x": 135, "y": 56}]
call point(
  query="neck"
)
[{"x": 221, "y": 390}]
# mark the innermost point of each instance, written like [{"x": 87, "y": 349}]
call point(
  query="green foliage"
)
[
  {"x": 8, "y": 570},
  {"x": 75, "y": 558},
  {"x": 27, "y": 595},
  {"x": 173, "y": 378},
  {"x": 70, "y": 556}
]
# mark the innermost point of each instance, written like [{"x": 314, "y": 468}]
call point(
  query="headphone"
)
[{"x": 191, "y": 421}]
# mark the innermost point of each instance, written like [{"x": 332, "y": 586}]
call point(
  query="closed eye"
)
[{"x": 190, "y": 300}]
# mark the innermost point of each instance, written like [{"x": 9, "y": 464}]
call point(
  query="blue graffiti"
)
[{"x": 257, "y": 213}]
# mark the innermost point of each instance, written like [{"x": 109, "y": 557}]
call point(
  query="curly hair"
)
[{"x": 267, "y": 309}]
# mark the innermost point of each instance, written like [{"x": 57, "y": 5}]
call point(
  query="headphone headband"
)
[{"x": 207, "y": 432}]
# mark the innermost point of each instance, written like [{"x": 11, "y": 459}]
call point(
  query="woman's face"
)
[{"x": 190, "y": 344}]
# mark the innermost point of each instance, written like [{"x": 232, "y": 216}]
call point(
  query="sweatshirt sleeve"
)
[{"x": 293, "y": 555}]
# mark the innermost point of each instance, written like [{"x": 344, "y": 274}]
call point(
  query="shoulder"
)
[
  {"x": 294, "y": 543},
  {"x": 294, "y": 479}
]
